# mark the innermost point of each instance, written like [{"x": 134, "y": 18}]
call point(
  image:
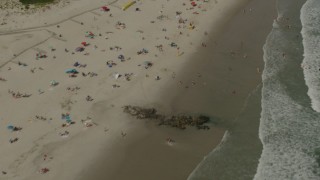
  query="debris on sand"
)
[
  {"x": 141, "y": 113},
  {"x": 177, "y": 121},
  {"x": 181, "y": 121}
]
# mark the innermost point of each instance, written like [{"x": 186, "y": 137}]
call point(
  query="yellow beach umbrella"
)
[{"x": 127, "y": 5}]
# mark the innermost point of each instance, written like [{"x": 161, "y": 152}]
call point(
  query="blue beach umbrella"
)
[
  {"x": 68, "y": 119},
  {"x": 10, "y": 127},
  {"x": 71, "y": 70}
]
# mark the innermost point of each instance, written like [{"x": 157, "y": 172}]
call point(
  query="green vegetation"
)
[{"x": 36, "y": 1}]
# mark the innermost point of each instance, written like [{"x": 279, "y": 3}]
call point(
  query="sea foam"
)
[{"x": 310, "y": 18}]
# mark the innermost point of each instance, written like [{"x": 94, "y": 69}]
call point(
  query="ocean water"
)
[
  {"x": 289, "y": 128},
  {"x": 289, "y": 125}
]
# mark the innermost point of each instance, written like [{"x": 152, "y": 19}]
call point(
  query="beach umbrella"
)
[
  {"x": 84, "y": 43},
  {"x": 127, "y": 5},
  {"x": 105, "y": 8},
  {"x": 68, "y": 71},
  {"x": 68, "y": 119},
  {"x": 10, "y": 127}
]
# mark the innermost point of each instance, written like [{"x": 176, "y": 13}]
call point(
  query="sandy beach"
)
[{"x": 57, "y": 124}]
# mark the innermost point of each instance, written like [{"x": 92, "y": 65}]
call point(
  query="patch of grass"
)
[{"x": 36, "y": 1}]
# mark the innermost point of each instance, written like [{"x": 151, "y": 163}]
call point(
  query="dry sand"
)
[{"x": 40, "y": 144}]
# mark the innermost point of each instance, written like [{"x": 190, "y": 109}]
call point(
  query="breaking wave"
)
[{"x": 289, "y": 126}]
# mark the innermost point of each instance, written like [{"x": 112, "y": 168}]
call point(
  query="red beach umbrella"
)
[
  {"x": 84, "y": 43},
  {"x": 105, "y": 8}
]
